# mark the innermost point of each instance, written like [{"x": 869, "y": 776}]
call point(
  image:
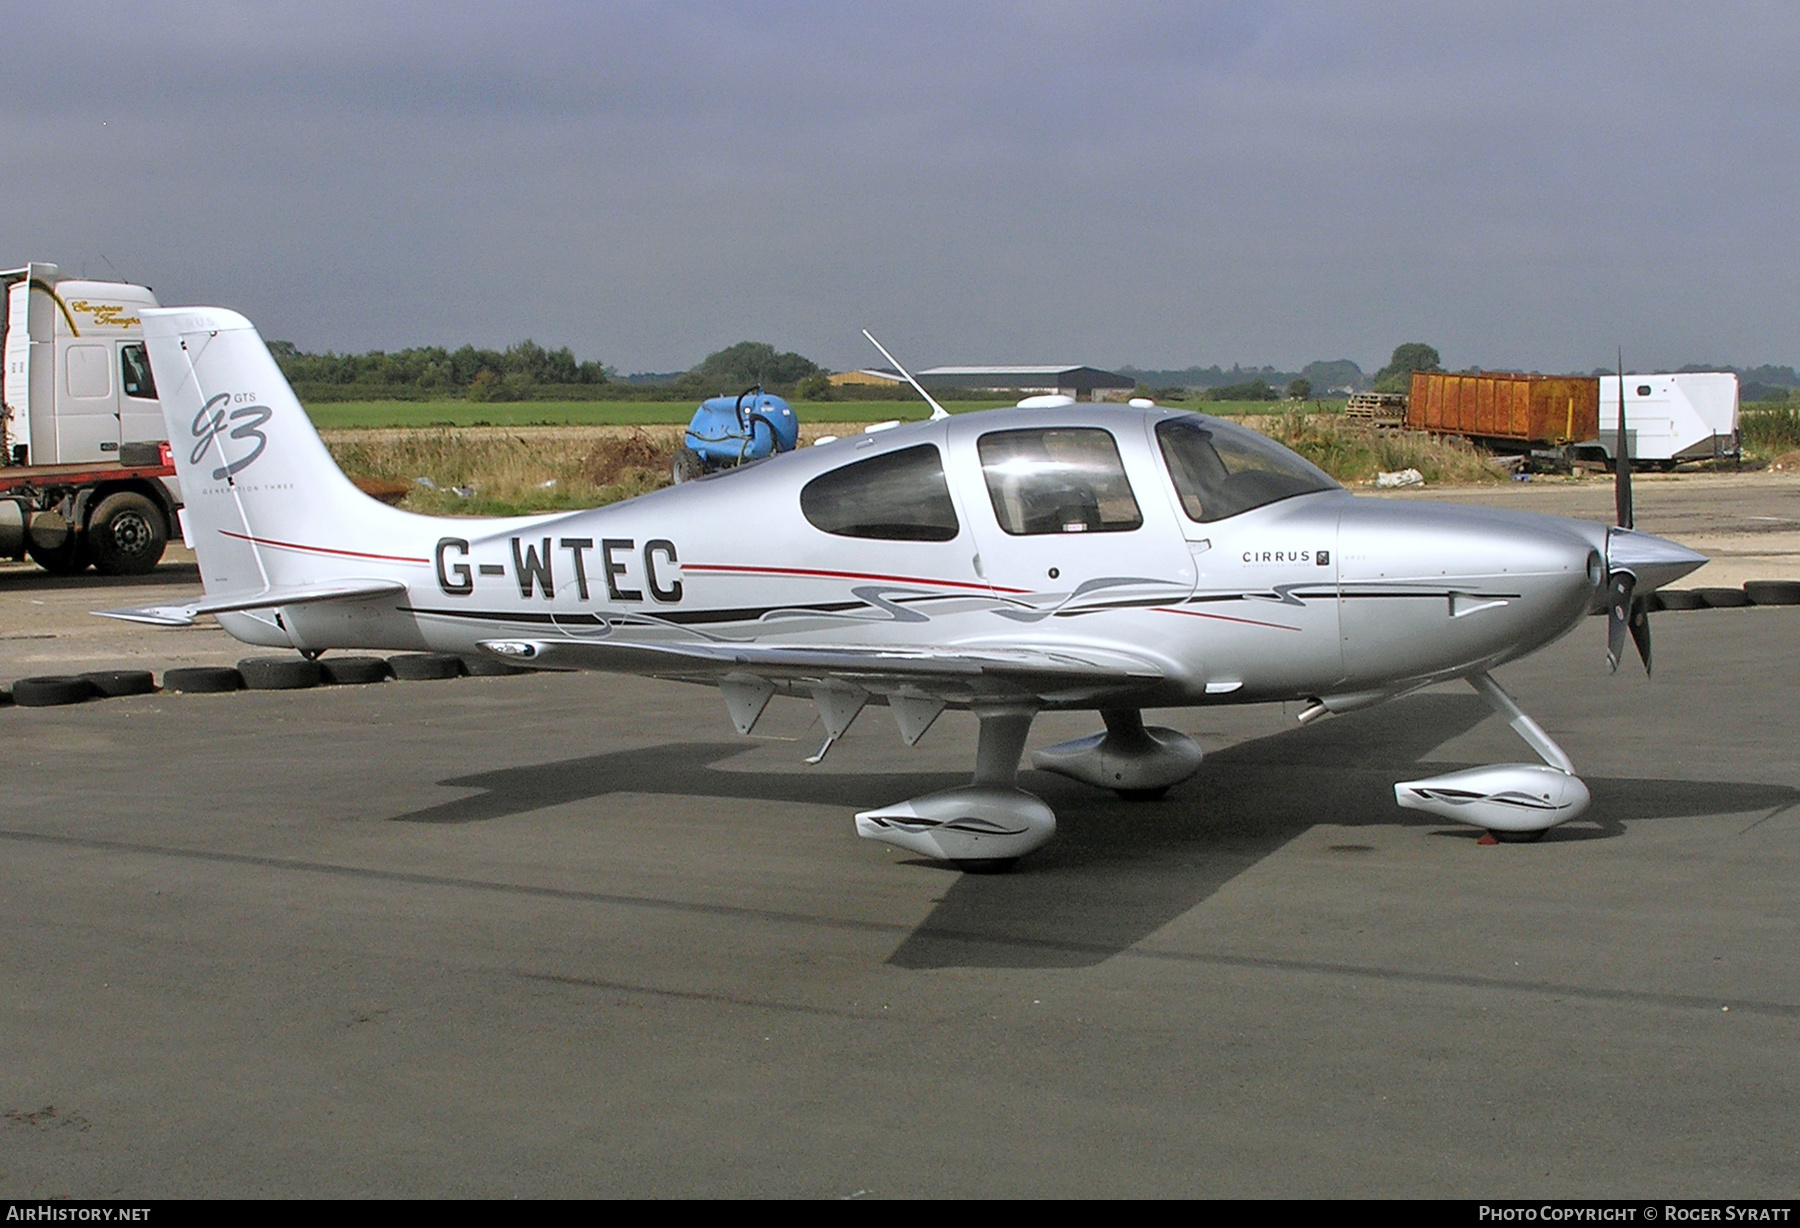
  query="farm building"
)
[
  {"x": 1082, "y": 383},
  {"x": 878, "y": 377}
]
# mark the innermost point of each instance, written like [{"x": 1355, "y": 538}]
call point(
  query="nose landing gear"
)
[{"x": 1515, "y": 802}]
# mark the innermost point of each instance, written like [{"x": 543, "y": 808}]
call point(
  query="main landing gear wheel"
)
[
  {"x": 1139, "y": 762},
  {"x": 984, "y": 826}
]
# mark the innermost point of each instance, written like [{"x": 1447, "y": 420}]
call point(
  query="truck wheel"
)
[
  {"x": 63, "y": 560},
  {"x": 126, "y": 535}
]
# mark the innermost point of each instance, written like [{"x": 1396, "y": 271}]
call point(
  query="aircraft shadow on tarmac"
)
[{"x": 1117, "y": 871}]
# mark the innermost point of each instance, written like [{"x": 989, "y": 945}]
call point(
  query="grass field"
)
[
  {"x": 508, "y": 469},
  {"x": 343, "y": 415}
]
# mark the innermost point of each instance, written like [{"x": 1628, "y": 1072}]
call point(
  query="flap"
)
[{"x": 879, "y": 669}]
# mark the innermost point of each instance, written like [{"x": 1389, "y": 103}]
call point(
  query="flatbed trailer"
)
[{"x": 112, "y": 514}]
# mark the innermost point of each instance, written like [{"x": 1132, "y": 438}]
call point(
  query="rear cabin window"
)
[
  {"x": 1057, "y": 480},
  {"x": 1220, "y": 469},
  {"x": 897, "y": 496}
]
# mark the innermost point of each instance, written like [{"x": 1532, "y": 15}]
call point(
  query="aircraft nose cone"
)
[
  {"x": 1653, "y": 561},
  {"x": 1430, "y": 589}
]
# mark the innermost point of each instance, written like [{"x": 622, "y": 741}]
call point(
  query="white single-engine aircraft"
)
[{"x": 1051, "y": 556}]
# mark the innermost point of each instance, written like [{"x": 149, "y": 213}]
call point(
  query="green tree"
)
[
  {"x": 748, "y": 362},
  {"x": 1300, "y": 389},
  {"x": 1410, "y": 357}
]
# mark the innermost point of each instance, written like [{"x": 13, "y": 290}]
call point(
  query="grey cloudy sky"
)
[{"x": 1521, "y": 184}]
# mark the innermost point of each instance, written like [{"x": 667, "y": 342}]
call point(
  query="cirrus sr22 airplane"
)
[{"x": 1051, "y": 556}]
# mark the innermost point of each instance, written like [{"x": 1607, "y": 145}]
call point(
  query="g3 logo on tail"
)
[{"x": 210, "y": 422}]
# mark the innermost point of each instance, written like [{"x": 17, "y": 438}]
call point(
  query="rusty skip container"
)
[{"x": 1501, "y": 406}]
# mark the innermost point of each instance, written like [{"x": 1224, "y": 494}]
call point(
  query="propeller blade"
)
[
  {"x": 1621, "y": 460},
  {"x": 1640, "y": 629},
  {"x": 1618, "y": 616}
]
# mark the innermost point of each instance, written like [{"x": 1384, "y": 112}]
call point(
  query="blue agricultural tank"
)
[{"x": 727, "y": 431}]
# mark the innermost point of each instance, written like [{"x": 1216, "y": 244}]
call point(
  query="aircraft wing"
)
[
  {"x": 300, "y": 594},
  {"x": 959, "y": 671}
]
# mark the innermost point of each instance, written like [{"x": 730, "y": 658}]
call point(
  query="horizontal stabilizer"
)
[{"x": 299, "y": 594}]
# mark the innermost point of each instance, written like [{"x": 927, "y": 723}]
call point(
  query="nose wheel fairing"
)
[{"x": 1504, "y": 797}]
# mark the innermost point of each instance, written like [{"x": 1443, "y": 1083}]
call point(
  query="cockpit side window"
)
[
  {"x": 897, "y": 496},
  {"x": 1220, "y": 469},
  {"x": 1057, "y": 480}
]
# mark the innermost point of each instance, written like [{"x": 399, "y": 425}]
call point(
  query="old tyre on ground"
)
[
  {"x": 279, "y": 673},
  {"x": 126, "y": 535},
  {"x": 353, "y": 671},
  {"x": 490, "y": 667},
  {"x": 1773, "y": 592},
  {"x": 51, "y": 691},
  {"x": 1723, "y": 598},
  {"x": 1681, "y": 599},
  {"x": 203, "y": 679},
  {"x": 426, "y": 666},
  {"x": 114, "y": 683}
]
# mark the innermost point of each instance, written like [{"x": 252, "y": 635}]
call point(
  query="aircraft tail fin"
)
[{"x": 266, "y": 506}]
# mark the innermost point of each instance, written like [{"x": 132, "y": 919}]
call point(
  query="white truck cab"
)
[{"x": 84, "y": 468}]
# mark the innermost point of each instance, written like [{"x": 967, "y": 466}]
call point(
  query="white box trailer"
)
[
  {"x": 85, "y": 476},
  {"x": 1672, "y": 417}
]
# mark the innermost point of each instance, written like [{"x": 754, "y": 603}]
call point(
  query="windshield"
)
[{"x": 1220, "y": 469}]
